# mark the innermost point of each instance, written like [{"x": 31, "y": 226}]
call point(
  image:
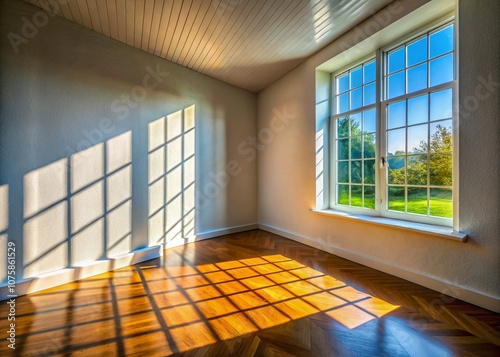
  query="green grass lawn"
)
[{"x": 440, "y": 203}]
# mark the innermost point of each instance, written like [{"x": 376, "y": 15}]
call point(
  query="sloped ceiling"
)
[{"x": 248, "y": 43}]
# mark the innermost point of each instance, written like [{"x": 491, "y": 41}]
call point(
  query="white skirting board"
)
[
  {"x": 67, "y": 275},
  {"x": 211, "y": 234},
  {"x": 480, "y": 299}
]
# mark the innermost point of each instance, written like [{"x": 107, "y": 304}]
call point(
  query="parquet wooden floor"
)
[{"x": 249, "y": 294}]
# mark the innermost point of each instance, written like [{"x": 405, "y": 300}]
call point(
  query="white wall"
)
[
  {"x": 75, "y": 183},
  {"x": 286, "y": 173}
]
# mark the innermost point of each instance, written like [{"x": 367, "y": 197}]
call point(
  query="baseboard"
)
[
  {"x": 480, "y": 299},
  {"x": 224, "y": 231},
  {"x": 67, "y": 275},
  {"x": 210, "y": 234}
]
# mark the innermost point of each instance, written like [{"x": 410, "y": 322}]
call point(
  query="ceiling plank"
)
[
  {"x": 139, "y": 18},
  {"x": 249, "y": 23},
  {"x": 112, "y": 18},
  {"x": 162, "y": 29},
  {"x": 130, "y": 22},
  {"x": 248, "y": 43},
  {"x": 94, "y": 15},
  {"x": 194, "y": 47},
  {"x": 146, "y": 24},
  {"x": 193, "y": 32},
  {"x": 75, "y": 12},
  {"x": 271, "y": 47},
  {"x": 102, "y": 9},
  {"x": 155, "y": 24},
  {"x": 65, "y": 10},
  {"x": 172, "y": 23},
  {"x": 121, "y": 18},
  {"x": 186, "y": 30},
  {"x": 237, "y": 11},
  {"x": 255, "y": 42},
  {"x": 84, "y": 12},
  {"x": 179, "y": 27}
]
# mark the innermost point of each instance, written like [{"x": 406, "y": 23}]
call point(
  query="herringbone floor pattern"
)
[{"x": 249, "y": 294}]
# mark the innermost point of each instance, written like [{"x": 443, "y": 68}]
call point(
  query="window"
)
[
  {"x": 355, "y": 136},
  {"x": 393, "y": 130}
]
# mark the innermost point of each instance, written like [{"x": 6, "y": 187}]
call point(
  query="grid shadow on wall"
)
[
  {"x": 171, "y": 178},
  {"x": 78, "y": 210}
]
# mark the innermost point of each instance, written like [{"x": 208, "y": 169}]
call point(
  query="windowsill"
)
[{"x": 439, "y": 231}]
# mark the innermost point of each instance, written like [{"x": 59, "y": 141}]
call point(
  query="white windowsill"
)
[{"x": 440, "y": 231}]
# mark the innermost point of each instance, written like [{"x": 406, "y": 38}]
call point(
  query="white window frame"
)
[
  {"x": 333, "y": 135},
  {"x": 380, "y": 105}
]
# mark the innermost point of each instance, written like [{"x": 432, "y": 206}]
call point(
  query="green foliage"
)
[
  {"x": 419, "y": 167},
  {"x": 397, "y": 176},
  {"x": 362, "y": 144},
  {"x": 440, "y": 165}
]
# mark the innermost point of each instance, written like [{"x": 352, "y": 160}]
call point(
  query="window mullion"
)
[{"x": 380, "y": 136}]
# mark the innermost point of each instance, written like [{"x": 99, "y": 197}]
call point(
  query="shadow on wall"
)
[
  {"x": 320, "y": 168},
  {"x": 78, "y": 209},
  {"x": 171, "y": 179}
]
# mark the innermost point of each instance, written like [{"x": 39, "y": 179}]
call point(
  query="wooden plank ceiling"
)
[{"x": 248, "y": 43}]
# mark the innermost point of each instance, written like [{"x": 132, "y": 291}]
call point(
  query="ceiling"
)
[{"x": 248, "y": 43}]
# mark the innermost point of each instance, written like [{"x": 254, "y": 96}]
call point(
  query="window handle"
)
[{"x": 383, "y": 162}]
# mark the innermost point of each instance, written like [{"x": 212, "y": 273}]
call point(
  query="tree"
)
[
  {"x": 440, "y": 165},
  {"x": 349, "y": 126}
]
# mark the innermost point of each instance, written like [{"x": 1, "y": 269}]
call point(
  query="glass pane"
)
[
  {"x": 417, "y": 139},
  {"x": 369, "y": 94},
  {"x": 369, "y": 146},
  {"x": 342, "y": 127},
  {"x": 355, "y": 171},
  {"x": 396, "y": 142},
  {"x": 417, "y": 170},
  {"x": 356, "y": 147},
  {"x": 442, "y": 70},
  {"x": 442, "y": 104},
  {"x": 357, "y": 196},
  {"x": 417, "y": 200},
  {"x": 369, "y": 71},
  {"x": 441, "y": 41},
  {"x": 418, "y": 110},
  {"x": 356, "y": 98},
  {"x": 396, "y": 199},
  {"x": 343, "y": 172},
  {"x": 343, "y": 149},
  {"x": 416, "y": 52},
  {"x": 369, "y": 121},
  {"x": 369, "y": 167},
  {"x": 342, "y": 83},
  {"x": 355, "y": 124},
  {"x": 441, "y": 203},
  {"x": 396, "y": 60},
  {"x": 343, "y": 103},
  {"x": 369, "y": 197},
  {"x": 417, "y": 78},
  {"x": 397, "y": 114},
  {"x": 396, "y": 85},
  {"x": 396, "y": 170},
  {"x": 343, "y": 194},
  {"x": 442, "y": 136},
  {"x": 441, "y": 169},
  {"x": 356, "y": 77}
]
